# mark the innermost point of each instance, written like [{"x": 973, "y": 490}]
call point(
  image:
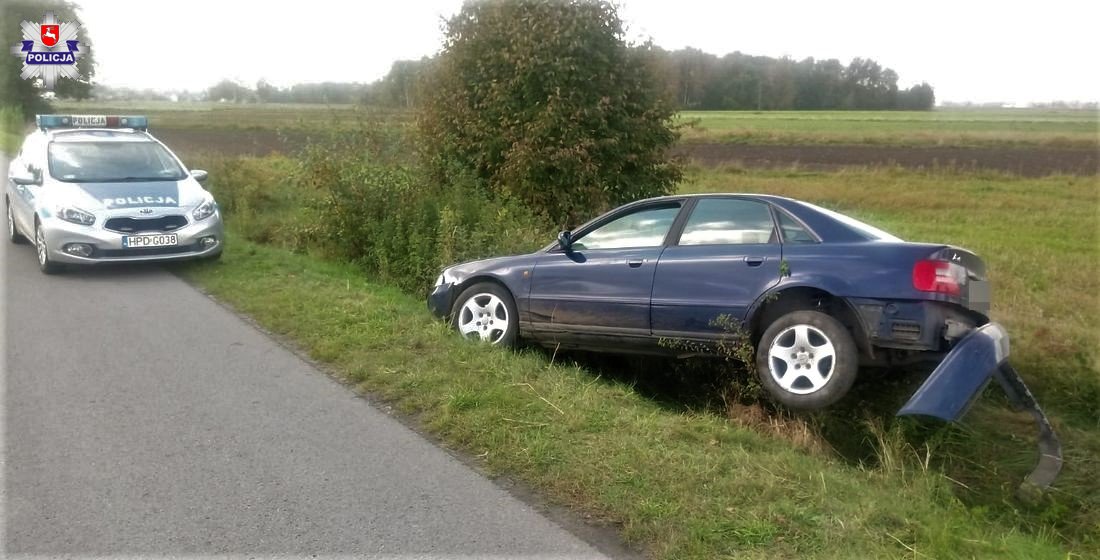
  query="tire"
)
[
  {"x": 13, "y": 230},
  {"x": 486, "y": 312},
  {"x": 41, "y": 249},
  {"x": 802, "y": 342}
]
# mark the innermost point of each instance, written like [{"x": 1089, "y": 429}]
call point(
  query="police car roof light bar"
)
[{"x": 137, "y": 122}]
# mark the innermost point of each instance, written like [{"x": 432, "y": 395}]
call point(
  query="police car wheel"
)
[
  {"x": 44, "y": 263},
  {"x": 13, "y": 231}
]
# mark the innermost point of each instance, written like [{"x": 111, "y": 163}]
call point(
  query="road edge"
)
[{"x": 603, "y": 537}]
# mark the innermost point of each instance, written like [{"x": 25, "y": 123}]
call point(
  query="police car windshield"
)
[{"x": 108, "y": 162}]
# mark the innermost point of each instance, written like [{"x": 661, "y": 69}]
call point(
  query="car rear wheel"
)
[
  {"x": 807, "y": 360},
  {"x": 486, "y": 312},
  {"x": 44, "y": 263},
  {"x": 13, "y": 231}
]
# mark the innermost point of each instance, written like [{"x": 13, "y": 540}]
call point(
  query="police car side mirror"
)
[
  {"x": 198, "y": 174},
  {"x": 20, "y": 177}
]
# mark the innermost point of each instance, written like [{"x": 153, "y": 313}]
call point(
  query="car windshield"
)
[
  {"x": 106, "y": 162},
  {"x": 867, "y": 230}
]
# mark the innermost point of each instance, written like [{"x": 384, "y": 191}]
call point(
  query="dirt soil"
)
[
  {"x": 230, "y": 142},
  {"x": 1031, "y": 162}
]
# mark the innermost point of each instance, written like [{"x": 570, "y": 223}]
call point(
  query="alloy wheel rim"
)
[
  {"x": 483, "y": 317},
  {"x": 801, "y": 360},
  {"x": 40, "y": 243}
]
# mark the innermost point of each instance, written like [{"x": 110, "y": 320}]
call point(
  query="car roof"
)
[
  {"x": 758, "y": 196},
  {"x": 98, "y": 135},
  {"x": 827, "y": 225}
]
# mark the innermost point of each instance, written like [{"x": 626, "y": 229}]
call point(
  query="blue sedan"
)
[{"x": 816, "y": 293}]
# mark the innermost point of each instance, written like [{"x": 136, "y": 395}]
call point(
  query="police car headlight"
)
[
  {"x": 75, "y": 216},
  {"x": 439, "y": 281},
  {"x": 204, "y": 210}
]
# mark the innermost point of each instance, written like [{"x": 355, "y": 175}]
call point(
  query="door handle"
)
[
  {"x": 754, "y": 261},
  {"x": 635, "y": 263}
]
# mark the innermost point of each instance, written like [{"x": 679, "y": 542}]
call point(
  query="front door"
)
[{"x": 603, "y": 284}]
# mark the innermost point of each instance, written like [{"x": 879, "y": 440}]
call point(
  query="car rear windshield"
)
[
  {"x": 108, "y": 162},
  {"x": 865, "y": 230}
]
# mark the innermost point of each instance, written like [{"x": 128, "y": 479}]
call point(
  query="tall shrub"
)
[
  {"x": 379, "y": 210},
  {"x": 544, "y": 101}
]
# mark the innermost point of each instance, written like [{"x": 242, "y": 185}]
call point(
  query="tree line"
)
[
  {"x": 691, "y": 78},
  {"x": 737, "y": 81}
]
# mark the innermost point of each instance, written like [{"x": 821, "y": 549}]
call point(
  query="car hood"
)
[
  {"x": 495, "y": 266},
  {"x": 185, "y": 193}
]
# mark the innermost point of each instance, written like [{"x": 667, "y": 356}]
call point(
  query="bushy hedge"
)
[
  {"x": 384, "y": 214},
  {"x": 11, "y": 128},
  {"x": 359, "y": 195},
  {"x": 262, "y": 198}
]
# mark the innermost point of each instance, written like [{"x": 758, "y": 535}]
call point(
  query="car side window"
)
[
  {"x": 29, "y": 154},
  {"x": 644, "y": 228},
  {"x": 728, "y": 221},
  {"x": 793, "y": 232}
]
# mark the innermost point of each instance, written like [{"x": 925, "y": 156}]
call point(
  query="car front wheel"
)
[
  {"x": 13, "y": 232},
  {"x": 44, "y": 263},
  {"x": 807, "y": 360},
  {"x": 486, "y": 312}
]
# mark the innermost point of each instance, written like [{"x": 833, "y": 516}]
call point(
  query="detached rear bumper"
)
[{"x": 959, "y": 379}]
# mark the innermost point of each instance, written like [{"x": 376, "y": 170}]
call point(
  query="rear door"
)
[
  {"x": 727, "y": 255},
  {"x": 602, "y": 285}
]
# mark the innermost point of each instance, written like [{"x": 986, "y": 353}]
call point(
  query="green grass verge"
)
[{"x": 682, "y": 483}]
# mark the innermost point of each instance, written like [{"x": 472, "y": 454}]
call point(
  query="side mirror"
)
[
  {"x": 21, "y": 177},
  {"x": 565, "y": 240},
  {"x": 198, "y": 174}
]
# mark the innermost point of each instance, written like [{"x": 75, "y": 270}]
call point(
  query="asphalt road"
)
[{"x": 142, "y": 419}]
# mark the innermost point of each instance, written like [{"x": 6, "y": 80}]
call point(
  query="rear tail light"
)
[{"x": 939, "y": 276}]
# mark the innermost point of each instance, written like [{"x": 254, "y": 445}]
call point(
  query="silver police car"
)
[{"x": 89, "y": 189}]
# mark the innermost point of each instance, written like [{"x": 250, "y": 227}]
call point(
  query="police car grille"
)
[
  {"x": 147, "y": 251},
  {"x": 138, "y": 225}
]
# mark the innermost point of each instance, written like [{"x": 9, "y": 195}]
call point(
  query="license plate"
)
[
  {"x": 978, "y": 296},
  {"x": 137, "y": 241},
  {"x": 979, "y": 291}
]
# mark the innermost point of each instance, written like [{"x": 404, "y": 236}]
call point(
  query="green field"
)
[
  {"x": 942, "y": 127},
  {"x": 1078, "y": 129},
  {"x": 216, "y": 116}
]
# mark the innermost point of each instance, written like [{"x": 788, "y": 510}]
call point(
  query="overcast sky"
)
[{"x": 969, "y": 50}]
